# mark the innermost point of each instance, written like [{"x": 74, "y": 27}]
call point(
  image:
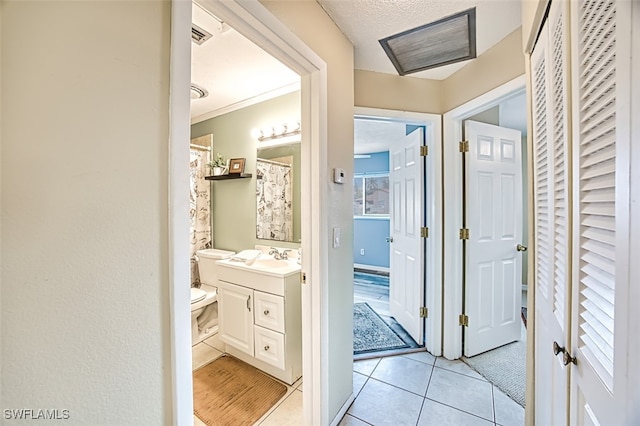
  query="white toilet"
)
[{"x": 204, "y": 309}]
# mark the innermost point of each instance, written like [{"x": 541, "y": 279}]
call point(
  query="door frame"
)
[
  {"x": 255, "y": 22},
  {"x": 432, "y": 199},
  {"x": 453, "y": 200}
]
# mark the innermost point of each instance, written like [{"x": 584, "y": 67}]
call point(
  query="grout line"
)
[{"x": 459, "y": 409}]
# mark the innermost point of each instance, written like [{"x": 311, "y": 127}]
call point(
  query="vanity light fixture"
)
[{"x": 286, "y": 134}]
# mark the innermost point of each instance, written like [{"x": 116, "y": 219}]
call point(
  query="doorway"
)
[
  {"x": 394, "y": 189},
  {"x": 257, "y": 24},
  {"x": 491, "y": 234}
]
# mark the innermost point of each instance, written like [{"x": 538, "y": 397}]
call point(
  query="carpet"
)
[
  {"x": 505, "y": 367},
  {"x": 371, "y": 333},
  {"x": 231, "y": 392}
]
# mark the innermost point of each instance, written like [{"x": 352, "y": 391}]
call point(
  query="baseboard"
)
[
  {"x": 343, "y": 410},
  {"x": 371, "y": 268}
]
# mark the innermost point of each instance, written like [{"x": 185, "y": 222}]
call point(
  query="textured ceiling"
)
[{"x": 365, "y": 22}]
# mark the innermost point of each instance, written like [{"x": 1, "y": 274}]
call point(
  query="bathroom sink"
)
[
  {"x": 270, "y": 262},
  {"x": 264, "y": 274}
]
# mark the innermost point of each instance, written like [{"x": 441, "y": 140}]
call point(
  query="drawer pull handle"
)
[
  {"x": 266, "y": 312},
  {"x": 266, "y": 348},
  {"x": 249, "y": 303}
]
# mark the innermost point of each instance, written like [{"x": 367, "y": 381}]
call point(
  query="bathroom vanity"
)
[{"x": 260, "y": 314}]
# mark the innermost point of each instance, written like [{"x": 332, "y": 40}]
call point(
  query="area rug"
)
[
  {"x": 371, "y": 333},
  {"x": 231, "y": 392},
  {"x": 505, "y": 367}
]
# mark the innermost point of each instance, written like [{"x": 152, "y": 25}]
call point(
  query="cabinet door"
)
[{"x": 236, "y": 316}]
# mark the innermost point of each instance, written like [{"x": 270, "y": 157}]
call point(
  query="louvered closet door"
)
[
  {"x": 551, "y": 200},
  {"x": 600, "y": 34}
]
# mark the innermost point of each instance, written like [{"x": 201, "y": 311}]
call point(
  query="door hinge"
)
[
  {"x": 463, "y": 320},
  {"x": 464, "y": 146},
  {"x": 424, "y": 312},
  {"x": 464, "y": 233},
  {"x": 424, "y": 232},
  {"x": 424, "y": 150},
  {"x": 303, "y": 277}
]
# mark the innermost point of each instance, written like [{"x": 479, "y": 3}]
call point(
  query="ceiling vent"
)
[
  {"x": 198, "y": 35},
  {"x": 446, "y": 41},
  {"x": 198, "y": 92}
]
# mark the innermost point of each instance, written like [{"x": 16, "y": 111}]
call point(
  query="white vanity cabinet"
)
[{"x": 260, "y": 319}]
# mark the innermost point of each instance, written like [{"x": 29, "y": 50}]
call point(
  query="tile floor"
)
[{"x": 415, "y": 389}]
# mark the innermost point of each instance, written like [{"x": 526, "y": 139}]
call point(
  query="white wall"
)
[
  {"x": 85, "y": 287},
  {"x": 311, "y": 24}
]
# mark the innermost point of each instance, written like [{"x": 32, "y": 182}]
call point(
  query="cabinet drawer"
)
[
  {"x": 269, "y": 311},
  {"x": 269, "y": 346}
]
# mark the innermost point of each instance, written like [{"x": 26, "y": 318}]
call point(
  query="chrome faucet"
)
[{"x": 279, "y": 254}]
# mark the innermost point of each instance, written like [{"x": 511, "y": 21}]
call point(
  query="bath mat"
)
[
  {"x": 371, "y": 333},
  {"x": 231, "y": 392}
]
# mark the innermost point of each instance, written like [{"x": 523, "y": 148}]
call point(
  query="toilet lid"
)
[{"x": 197, "y": 294}]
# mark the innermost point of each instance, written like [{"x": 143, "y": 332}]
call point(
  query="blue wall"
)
[
  {"x": 378, "y": 163},
  {"x": 370, "y": 233}
]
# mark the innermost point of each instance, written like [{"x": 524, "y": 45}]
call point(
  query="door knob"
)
[
  {"x": 389, "y": 239},
  {"x": 520, "y": 247},
  {"x": 558, "y": 349},
  {"x": 568, "y": 359}
]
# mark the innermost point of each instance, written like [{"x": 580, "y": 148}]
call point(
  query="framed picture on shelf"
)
[{"x": 236, "y": 166}]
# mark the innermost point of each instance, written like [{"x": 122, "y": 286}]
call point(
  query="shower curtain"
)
[
  {"x": 199, "y": 208},
  {"x": 274, "y": 201}
]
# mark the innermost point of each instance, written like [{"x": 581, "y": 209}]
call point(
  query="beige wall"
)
[
  {"x": 387, "y": 91},
  {"x": 498, "y": 65},
  {"x": 309, "y": 22},
  {"x": 84, "y": 297},
  {"x": 234, "y": 201}
]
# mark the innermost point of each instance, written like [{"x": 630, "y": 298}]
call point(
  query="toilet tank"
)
[{"x": 207, "y": 264}]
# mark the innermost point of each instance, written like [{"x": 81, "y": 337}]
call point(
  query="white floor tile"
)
[
  {"x": 288, "y": 413},
  {"x": 458, "y": 366},
  {"x": 423, "y": 356},
  {"x": 436, "y": 414},
  {"x": 366, "y": 366},
  {"x": 198, "y": 422},
  {"x": 215, "y": 342},
  {"x": 348, "y": 420},
  {"x": 508, "y": 412},
  {"x": 404, "y": 373},
  {"x": 358, "y": 383},
  {"x": 378, "y": 404},
  {"x": 202, "y": 354},
  {"x": 462, "y": 392}
]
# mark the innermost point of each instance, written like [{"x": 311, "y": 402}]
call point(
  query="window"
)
[{"x": 371, "y": 195}]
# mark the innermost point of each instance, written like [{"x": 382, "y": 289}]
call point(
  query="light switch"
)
[{"x": 336, "y": 237}]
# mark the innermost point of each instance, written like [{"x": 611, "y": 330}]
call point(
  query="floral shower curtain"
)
[
  {"x": 274, "y": 201},
  {"x": 199, "y": 208}
]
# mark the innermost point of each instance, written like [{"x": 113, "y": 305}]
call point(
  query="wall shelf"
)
[{"x": 229, "y": 176}]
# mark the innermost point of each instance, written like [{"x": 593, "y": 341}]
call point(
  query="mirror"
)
[{"x": 278, "y": 193}]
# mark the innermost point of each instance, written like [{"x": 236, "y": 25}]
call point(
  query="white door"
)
[
  {"x": 551, "y": 201},
  {"x": 583, "y": 215},
  {"x": 406, "y": 283},
  {"x": 235, "y": 311},
  {"x": 602, "y": 386},
  {"x": 494, "y": 218}
]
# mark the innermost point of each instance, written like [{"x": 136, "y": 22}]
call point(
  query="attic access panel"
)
[{"x": 446, "y": 41}]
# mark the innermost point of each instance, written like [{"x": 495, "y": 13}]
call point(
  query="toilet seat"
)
[{"x": 197, "y": 294}]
